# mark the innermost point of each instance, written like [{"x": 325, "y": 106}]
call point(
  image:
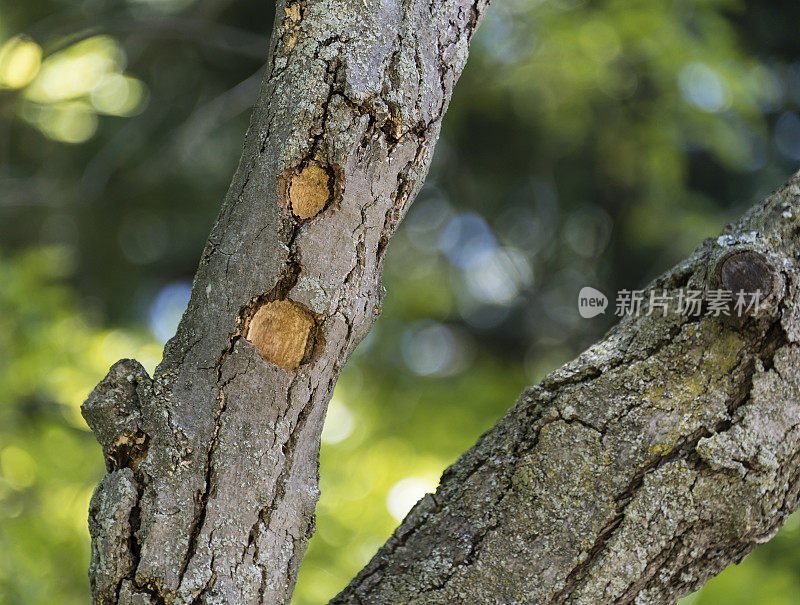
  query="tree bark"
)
[
  {"x": 640, "y": 469},
  {"x": 213, "y": 463},
  {"x": 633, "y": 473}
]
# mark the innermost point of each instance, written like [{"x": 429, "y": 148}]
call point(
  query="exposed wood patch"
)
[
  {"x": 309, "y": 191},
  {"x": 284, "y": 332}
]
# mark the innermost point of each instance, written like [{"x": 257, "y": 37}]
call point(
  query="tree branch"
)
[
  {"x": 633, "y": 473},
  {"x": 213, "y": 463},
  {"x": 637, "y": 471}
]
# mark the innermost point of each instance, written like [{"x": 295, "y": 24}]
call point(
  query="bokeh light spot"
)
[
  {"x": 167, "y": 309},
  {"x": 118, "y": 95},
  {"x": 704, "y": 88},
  {"x": 433, "y": 349},
  {"x": 18, "y": 467},
  {"x": 20, "y": 59},
  {"x": 339, "y": 422},
  {"x": 67, "y": 123},
  {"x": 405, "y": 494},
  {"x": 465, "y": 238},
  {"x": 496, "y": 276}
]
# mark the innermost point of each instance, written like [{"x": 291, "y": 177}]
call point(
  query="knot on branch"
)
[
  {"x": 113, "y": 412},
  {"x": 753, "y": 273}
]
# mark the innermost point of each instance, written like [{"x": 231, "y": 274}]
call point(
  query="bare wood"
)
[{"x": 283, "y": 331}]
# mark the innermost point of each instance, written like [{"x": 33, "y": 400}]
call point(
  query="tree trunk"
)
[
  {"x": 213, "y": 464},
  {"x": 637, "y": 471},
  {"x": 633, "y": 473}
]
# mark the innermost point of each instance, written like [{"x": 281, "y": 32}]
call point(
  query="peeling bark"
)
[
  {"x": 213, "y": 463},
  {"x": 637, "y": 471}
]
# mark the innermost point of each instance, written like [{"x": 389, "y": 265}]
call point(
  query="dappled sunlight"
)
[
  {"x": 51, "y": 356},
  {"x": 20, "y": 59},
  {"x": 63, "y": 94}
]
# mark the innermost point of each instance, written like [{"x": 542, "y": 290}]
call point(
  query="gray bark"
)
[
  {"x": 640, "y": 469},
  {"x": 633, "y": 473},
  {"x": 213, "y": 463}
]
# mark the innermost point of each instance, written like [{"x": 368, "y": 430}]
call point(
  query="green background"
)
[{"x": 588, "y": 143}]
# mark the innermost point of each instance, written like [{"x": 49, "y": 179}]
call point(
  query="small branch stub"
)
[
  {"x": 284, "y": 333},
  {"x": 750, "y": 272}
]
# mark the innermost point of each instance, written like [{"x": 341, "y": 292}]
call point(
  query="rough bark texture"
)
[
  {"x": 212, "y": 463},
  {"x": 637, "y": 471},
  {"x": 633, "y": 473}
]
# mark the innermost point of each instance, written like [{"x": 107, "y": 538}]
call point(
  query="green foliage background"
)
[{"x": 588, "y": 143}]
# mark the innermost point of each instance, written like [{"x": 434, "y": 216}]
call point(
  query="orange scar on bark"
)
[
  {"x": 283, "y": 331},
  {"x": 309, "y": 191}
]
